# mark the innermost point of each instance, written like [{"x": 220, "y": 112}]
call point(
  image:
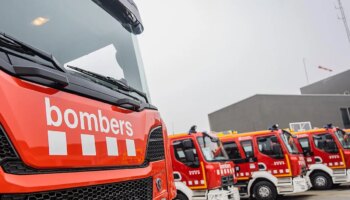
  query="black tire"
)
[
  {"x": 180, "y": 196},
  {"x": 321, "y": 181},
  {"x": 264, "y": 190}
]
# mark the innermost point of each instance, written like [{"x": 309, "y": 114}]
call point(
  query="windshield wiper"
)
[
  {"x": 121, "y": 85},
  {"x": 16, "y": 45}
]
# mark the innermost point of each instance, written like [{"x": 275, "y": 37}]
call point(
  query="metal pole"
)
[
  {"x": 343, "y": 18},
  {"x": 306, "y": 74}
]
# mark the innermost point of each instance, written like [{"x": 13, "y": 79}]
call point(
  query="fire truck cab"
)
[
  {"x": 268, "y": 163},
  {"x": 75, "y": 117},
  {"x": 201, "y": 167},
  {"x": 327, "y": 153}
]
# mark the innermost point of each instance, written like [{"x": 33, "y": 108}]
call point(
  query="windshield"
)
[
  {"x": 211, "y": 149},
  {"x": 289, "y": 142},
  {"x": 344, "y": 138},
  {"x": 78, "y": 33}
]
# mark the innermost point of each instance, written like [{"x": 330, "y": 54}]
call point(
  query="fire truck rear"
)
[
  {"x": 268, "y": 163},
  {"x": 78, "y": 125},
  {"x": 201, "y": 167},
  {"x": 327, "y": 153}
]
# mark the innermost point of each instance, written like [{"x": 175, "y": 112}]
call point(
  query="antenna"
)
[
  {"x": 306, "y": 74},
  {"x": 343, "y": 18}
]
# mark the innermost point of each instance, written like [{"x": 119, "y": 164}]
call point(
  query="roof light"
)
[{"x": 39, "y": 21}]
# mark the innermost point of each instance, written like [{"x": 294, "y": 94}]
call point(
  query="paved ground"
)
[{"x": 338, "y": 193}]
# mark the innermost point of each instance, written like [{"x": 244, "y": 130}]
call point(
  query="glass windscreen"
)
[
  {"x": 77, "y": 33},
  {"x": 344, "y": 138},
  {"x": 289, "y": 142},
  {"x": 211, "y": 149}
]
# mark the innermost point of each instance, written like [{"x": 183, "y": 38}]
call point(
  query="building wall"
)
[
  {"x": 337, "y": 84},
  {"x": 261, "y": 111}
]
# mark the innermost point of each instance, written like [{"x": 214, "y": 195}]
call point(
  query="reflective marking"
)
[
  {"x": 242, "y": 174},
  {"x": 341, "y": 163},
  {"x": 287, "y": 171},
  {"x": 218, "y": 172},
  {"x": 275, "y": 171},
  {"x": 112, "y": 146},
  {"x": 222, "y": 172},
  {"x": 184, "y": 182},
  {"x": 202, "y": 182},
  {"x": 196, "y": 182},
  {"x": 336, "y": 163},
  {"x": 189, "y": 182},
  {"x": 331, "y": 164},
  {"x": 88, "y": 145},
  {"x": 130, "y": 147},
  {"x": 247, "y": 174},
  {"x": 57, "y": 143},
  {"x": 281, "y": 171}
]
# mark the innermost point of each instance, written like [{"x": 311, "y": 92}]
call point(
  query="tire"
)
[
  {"x": 264, "y": 190},
  {"x": 180, "y": 196},
  {"x": 321, "y": 181}
]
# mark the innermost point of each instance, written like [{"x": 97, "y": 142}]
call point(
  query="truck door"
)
[
  {"x": 187, "y": 164},
  {"x": 307, "y": 151},
  {"x": 249, "y": 164},
  {"x": 326, "y": 151},
  {"x": 271, "y": 157}
]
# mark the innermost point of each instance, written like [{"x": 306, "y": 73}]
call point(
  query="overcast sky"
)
[{"x": 202, "y": 55}]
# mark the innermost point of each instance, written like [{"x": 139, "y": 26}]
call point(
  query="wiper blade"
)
[
  {"x": 122, "y": 85},
  {"x": 12, "y": 43}
]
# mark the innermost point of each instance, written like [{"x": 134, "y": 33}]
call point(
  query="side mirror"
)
[{"x": 125, "y": 11}]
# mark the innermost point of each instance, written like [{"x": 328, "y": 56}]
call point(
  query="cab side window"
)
[
  {"x": 325, "y": 142},
  {"x": 248, "y": 148},
  {"x": 305, "y": 145},
  {"x": 181, "y": 149},
  {"x": 232, "y": 151},
  {"x": 269, "y": 145}
]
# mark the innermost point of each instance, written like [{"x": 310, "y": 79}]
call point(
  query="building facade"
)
[{"x": 326, "y": 101}]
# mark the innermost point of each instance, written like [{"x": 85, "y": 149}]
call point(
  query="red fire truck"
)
[
  {"x": 201, "y": 167},
  {"x": 327, "y": 152},
  {"x": 268, "y": 163},
  {"x": 78, "y": 125}
]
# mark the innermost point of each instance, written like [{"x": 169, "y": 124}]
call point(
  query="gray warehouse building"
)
[{"x": 320, "y": 103}]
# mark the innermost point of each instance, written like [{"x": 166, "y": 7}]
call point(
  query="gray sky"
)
[{"x": 202, "y": 55}]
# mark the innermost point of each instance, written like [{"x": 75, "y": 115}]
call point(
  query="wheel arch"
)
[{"x": 182, "y": 188}]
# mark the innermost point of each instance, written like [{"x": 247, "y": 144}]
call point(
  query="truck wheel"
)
[
  {"x": 321, "y": 181},
  {"x": 264, "y": 191},
  {"x": 180, "y": 196}
]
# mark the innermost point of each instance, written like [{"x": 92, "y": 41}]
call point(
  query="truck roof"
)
[
  {"x": 309, "y": 131},
  {"x": 245, "y": 134}
]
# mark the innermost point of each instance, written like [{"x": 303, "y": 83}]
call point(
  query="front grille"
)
[
  {"x": 6, "y": 150},
  {"x": 155, "y": 148},
  {"x": 227, "y": 181},
  {"x": 141, "y": 189}
]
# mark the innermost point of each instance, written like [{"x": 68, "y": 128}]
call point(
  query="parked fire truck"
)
[
  {"x": 78, "y": 125},
  {"x": 201, "y": 167},
  {"x": 327, "y": 152},
  {"x": 268, "y": 163}
]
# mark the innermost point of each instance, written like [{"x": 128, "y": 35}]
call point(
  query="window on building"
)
[
  {"x": 270, "y": 146},
  {"x": 325, "y": 142},
  {"x": 248, "y": 148},
  {"x": 232, "y": 151},
  {"x": 180, "y": 148},
  {"x": 345, "y": 114}
]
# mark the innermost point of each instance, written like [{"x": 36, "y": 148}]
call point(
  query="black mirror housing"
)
[{"x": 125, "y": 11}]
